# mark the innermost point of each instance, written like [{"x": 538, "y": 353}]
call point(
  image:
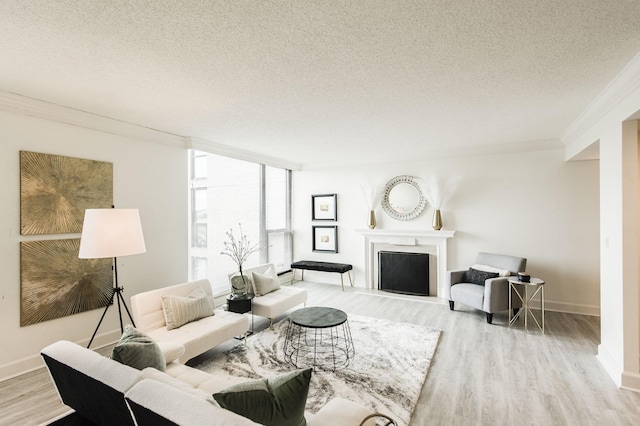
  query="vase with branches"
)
[
  {"x": 437, "y": 191},
  {"x": 239, "y": 249},
  {"x": 371, "y": 194}
]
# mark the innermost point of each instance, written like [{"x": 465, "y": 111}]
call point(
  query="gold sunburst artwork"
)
[
  {"x": 55, "y": 283},
  {"x": 55, "y": 191}
]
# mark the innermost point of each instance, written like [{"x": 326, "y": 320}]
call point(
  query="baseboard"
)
[
  {"x": 19, "y": 367},
  {"x": 610, "y": 365},
  {"x": 623, "y": 379},
  {"x": 630, "y": 381},
  {"x": 569, "y": 308},
  {"x": 34, "y": 362},
  {"x": 285, "y": 278},
  {"x": 423, "y": 299}
]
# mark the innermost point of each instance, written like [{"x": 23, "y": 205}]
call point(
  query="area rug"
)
[{"x": 386, "y": 374}]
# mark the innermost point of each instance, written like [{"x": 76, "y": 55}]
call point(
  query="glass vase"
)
[{"x": 239, "y": 285}]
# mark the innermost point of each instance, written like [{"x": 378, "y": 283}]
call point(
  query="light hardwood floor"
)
[{"x": 481, "y": 374}]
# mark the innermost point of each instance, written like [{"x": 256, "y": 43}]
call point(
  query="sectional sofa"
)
[
  {"x": 107, "y": 392},
  {"x": 179, "y": 323}
]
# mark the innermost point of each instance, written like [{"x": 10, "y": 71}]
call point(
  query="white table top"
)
[{"x": 533, "y": 281}]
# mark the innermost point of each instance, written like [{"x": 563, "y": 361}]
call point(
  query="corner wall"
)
[
  {"x": 147, "y": 175},
  {"x": 533, "y": 204}
]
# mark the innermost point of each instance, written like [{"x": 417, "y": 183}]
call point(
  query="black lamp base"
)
[{"x": 117, "y": 293}]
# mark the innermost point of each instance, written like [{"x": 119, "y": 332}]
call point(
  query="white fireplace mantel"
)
[{"x": 404, "y": 237}]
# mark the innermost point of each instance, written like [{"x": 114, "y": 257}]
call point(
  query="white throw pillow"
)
[
  {"x": 263, "y": 283},
  {"x": 487, "y": 268},
  {"x": 272, "y": 273},
  {"x": 179, "y": 310}
]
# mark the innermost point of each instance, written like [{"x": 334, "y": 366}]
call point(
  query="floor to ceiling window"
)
[{"x": 225, "y": 194}]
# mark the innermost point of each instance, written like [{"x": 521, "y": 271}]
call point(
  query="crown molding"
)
[
  {"x": 496, "y": 149},
  {"x": 239, "y": 154},
  {"x": 448, "y": 152},
  {"x": 32, "y": 107},
  {"x": 623, "y": 85},
  {"x": 24, "y": 105}
]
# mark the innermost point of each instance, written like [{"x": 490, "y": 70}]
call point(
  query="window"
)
[
  {"x": 198, "y": 165},
  {"x": 226, "y": 193},
  {"x": 277, "y": 218},
  {"x": 199, "y": 217},
  {"x": 199, "y": 265}
]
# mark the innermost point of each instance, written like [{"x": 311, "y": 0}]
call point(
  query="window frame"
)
[{"x": 202, "y": 251}]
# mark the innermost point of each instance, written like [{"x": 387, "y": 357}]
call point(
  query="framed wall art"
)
[
  {"x": 54, "y": 283},
  {"x": 324, "y": 207},
  {"x": 325, "y": 239},
  {"x": 56, "y": 190}
]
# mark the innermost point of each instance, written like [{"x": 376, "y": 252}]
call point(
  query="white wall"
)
[
  {"x": 612, "y": 341},
  {"x": 534, "y": 205},
  {"x": 147, "y": 175},
  {"x": 618, "y": 350},
  {"x": 602, "y": 123}
]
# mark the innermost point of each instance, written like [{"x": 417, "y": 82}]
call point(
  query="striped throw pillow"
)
[{"x": 179, "y": 310}]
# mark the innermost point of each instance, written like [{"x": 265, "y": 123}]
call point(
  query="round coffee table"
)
[{"x": 319, "y": 337}]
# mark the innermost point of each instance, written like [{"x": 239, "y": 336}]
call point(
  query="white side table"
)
[{"x": 537, "y": 285}]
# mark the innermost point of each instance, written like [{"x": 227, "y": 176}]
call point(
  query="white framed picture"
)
[
  {"x": 325, "y": 239},
  {"x": 324, "y": 207}
]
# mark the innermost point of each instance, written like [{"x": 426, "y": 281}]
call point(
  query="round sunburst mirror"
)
[{"x": 402, "y": 198}]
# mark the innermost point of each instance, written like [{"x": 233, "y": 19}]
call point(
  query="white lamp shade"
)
[{"x": 111, "y": 233}]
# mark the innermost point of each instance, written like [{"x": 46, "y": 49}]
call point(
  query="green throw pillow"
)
[
  {"x": 138, "y": 350},
  {"x": 276, "y": 401}
]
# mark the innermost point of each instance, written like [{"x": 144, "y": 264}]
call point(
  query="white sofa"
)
[
  {"x": 107, "y": 393},
  {"x": 198, "y": 336},
  {"x": 276, "y": 303}
]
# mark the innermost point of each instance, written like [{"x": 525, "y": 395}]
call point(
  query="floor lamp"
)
[{"x": 111, "y": 233}]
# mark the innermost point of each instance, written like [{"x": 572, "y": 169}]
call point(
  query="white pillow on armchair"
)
[{"x": 265, "y": 283}]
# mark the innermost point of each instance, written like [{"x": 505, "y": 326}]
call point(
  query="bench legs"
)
[
  {"x": 293, "y": 276},
  {"x": 350, "y": 280}
]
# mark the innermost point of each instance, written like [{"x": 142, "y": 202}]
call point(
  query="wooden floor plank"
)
[{"x": 481, "y": 374}]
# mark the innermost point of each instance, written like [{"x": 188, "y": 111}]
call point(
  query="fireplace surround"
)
[{"x": 414, "y": 241}]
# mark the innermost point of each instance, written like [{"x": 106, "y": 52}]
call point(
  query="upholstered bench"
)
[{"x": 311, "y": 265}]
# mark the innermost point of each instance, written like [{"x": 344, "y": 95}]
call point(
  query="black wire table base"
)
[{"x": 325, "y": 348}]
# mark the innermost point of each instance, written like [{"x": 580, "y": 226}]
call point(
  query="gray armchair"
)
[{"x": 490, "y": 295}]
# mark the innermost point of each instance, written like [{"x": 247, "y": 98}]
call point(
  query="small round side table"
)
[{"x": 535, "y": 284}]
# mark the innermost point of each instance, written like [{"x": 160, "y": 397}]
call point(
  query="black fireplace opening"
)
[{"x": 402, "y": 272}]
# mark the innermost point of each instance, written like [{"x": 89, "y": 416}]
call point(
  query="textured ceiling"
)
[{"x": 304, "y": 80}]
